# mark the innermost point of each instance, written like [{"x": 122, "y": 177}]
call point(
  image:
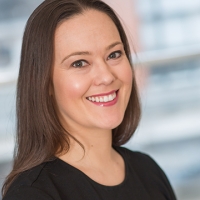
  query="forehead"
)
[{"x": 90, "y": 27}]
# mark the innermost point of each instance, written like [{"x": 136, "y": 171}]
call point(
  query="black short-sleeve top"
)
[{"x": 57, "y": 180}]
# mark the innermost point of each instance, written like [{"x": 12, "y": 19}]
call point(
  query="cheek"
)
[
  {"x": 126, "y": 74},
  {"x": 68, "y": 87}
]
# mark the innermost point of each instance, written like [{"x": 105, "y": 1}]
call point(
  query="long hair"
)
[{"x": 40, "y": 135}]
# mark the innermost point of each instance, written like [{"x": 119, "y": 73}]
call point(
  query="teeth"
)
[
  {"x": 97, "y": 99},
  {"x": 110, "y": 98},
  {"x": 107, "y": 98},
  {"x": 101, "y": 99}
]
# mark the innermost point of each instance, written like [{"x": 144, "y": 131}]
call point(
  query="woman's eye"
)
[
  {"x": 79, "y": 63},
  {"x": 115, "y": 55}
]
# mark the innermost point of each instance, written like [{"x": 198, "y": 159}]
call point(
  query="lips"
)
[{"x": 103, "y": 98}]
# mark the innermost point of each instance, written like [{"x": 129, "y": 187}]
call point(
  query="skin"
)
[{"x": 90, "y": 60}]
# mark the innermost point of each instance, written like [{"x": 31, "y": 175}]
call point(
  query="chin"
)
[{"x": 112, "y": 124}]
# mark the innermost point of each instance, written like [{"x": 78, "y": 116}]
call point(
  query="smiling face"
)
[{"x": 92, "y": 77}]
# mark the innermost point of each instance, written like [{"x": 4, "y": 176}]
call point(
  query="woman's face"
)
[{"x": 92, "y": 77}]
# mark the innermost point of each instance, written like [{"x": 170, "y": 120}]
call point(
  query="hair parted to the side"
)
[{"x": 40, "y": 135}]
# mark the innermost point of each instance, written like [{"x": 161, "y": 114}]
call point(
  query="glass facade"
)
[
  {"x": 169, "y": 23},
  {"x": 170, "y": 129}
]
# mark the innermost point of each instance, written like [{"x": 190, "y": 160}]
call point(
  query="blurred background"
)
[{"x": 166, "y": 36}]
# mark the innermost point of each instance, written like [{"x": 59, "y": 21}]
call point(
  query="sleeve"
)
[
  {"x": 27, "y": 192},
  {"x": 159, "y": 174}
]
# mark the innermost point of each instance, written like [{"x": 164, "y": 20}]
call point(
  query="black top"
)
[{"x": 144, "y": 180}]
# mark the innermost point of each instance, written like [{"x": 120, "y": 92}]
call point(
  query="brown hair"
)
[{"x": 39, "y": 132}]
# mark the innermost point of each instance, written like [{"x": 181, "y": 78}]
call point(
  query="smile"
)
[{"x": 103, "y": 98}]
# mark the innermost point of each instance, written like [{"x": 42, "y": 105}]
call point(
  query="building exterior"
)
[{"x": 168, "y": 23}]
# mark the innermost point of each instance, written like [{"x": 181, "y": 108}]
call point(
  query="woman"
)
[{"x": 77, "y": 102}]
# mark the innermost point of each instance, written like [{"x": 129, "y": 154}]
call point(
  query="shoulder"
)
[
  {"x": 135, "y": 156},
  {"x": 143, "y": 165},
  {"x": 30, "y": 184},
  {"x": 26, "y": 192},
  {"x": 148, "y": 171}
]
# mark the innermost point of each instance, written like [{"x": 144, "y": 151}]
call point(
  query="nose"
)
[{"x": 104, "y": 74}]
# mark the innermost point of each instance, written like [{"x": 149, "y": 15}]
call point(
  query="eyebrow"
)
[
  {"x": 87, "y": 52},
  {"x": 113, "y": 45}
]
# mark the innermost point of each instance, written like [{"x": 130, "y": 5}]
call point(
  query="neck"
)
[
  {"x": 97, "y": 148},
  {"x": 98, "y": 160}
]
